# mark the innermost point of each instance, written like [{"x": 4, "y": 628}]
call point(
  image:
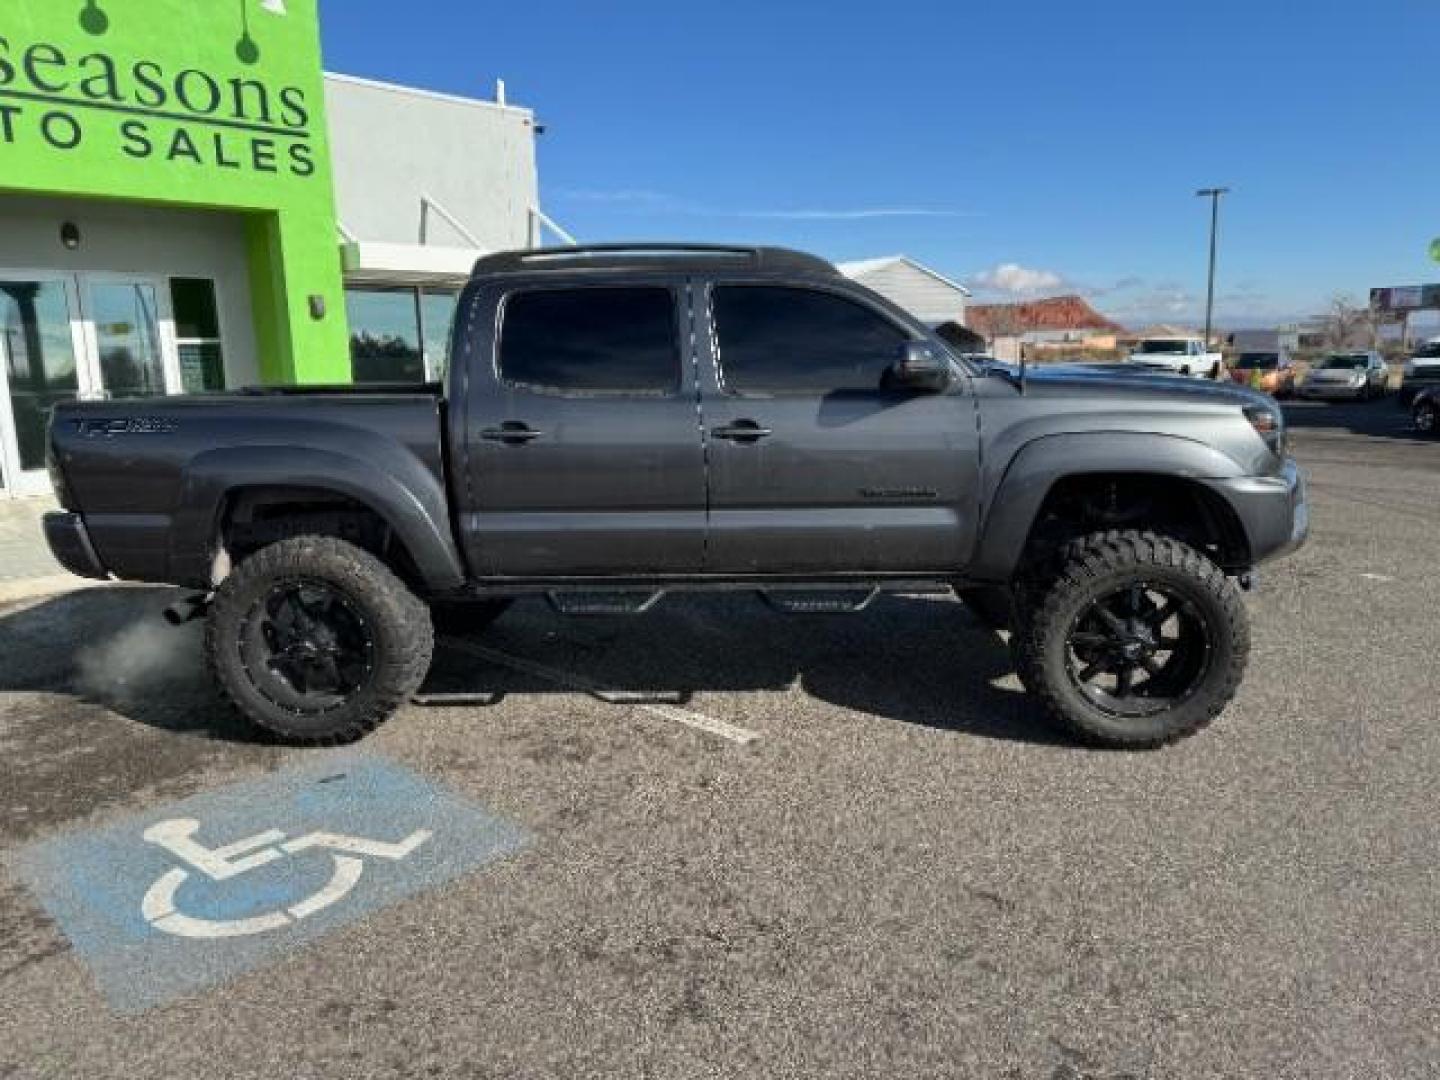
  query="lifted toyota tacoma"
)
[{"x": 620, "y": 423}]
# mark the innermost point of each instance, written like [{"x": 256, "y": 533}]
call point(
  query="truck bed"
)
[{"x": 144, "y": 470}]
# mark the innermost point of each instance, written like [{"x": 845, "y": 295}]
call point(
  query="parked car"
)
[
  {"x": 1426, "y": 410},
  {"x": 1421, "y": 370},
  {"x": 1356, "y": 376},
  {"x": 1272, "y": 372},
  {"x": 1178, "y": 356},
  {"x": 840, "y": 449}
]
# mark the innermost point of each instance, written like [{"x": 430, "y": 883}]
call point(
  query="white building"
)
[{"x": 930, "y": 296}]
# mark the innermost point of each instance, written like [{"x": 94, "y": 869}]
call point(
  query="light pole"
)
[{"x": 1213, "y": 194}]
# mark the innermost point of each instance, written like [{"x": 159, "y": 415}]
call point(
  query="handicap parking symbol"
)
[{"x": 168, "y": 903}]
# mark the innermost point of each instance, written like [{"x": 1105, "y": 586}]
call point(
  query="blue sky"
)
[{"x": 1026, "y": 148}]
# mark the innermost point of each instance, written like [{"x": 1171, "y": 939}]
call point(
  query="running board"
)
[
  {"x": 604, "y": 602},
  {"x": 829, "y": 601}
]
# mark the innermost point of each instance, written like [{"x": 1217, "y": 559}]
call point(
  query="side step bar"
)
[
  {"x": 790, "y": 600},
  {"x": 604, "y": 602},
  {"x": 819, "y": 601}
]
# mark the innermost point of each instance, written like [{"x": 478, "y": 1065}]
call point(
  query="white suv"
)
[{"x": 1178, "y": 356}]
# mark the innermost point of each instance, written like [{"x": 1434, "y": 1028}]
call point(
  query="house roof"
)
[
  {"x": 1051, "y": 313},
  {"x": 1164, "y": 330},
  {"x": 861, "y": 268}
]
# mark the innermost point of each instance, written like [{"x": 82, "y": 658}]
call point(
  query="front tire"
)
[
  {"x": 1135, "y": 641},
  {"x": 1427, "y": 420},
  {"x": 316, "y": 641}
]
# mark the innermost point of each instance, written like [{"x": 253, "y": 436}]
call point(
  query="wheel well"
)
[
  {"x": 1173, "y": 506},
  {"x": 253, "y": 518}
]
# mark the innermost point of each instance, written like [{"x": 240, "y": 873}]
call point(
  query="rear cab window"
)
[
  {"x": 590, "y": 341},
  {"x": 779, "y": 339}
]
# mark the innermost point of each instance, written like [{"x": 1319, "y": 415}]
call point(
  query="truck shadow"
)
[{"x": 917, "y": 660}]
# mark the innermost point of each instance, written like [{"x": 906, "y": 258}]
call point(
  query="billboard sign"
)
[{"x": 1402, "y": 298}]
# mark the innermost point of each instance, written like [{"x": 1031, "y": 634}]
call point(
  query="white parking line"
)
[
  {"x": 1378, "y": 577},
  {"x": 671, "y": 713}
]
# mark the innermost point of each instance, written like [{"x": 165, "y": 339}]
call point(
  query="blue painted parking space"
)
[{"x": 188, "y": 895}]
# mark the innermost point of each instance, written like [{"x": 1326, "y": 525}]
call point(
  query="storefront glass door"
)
[
  {"x": 67, "y": 336},
  {"x": 132, "y": 346},
  {"x": 41, "y": 350}
]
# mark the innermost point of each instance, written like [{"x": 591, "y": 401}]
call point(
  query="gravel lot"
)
[{"x": 905, "y": 872}]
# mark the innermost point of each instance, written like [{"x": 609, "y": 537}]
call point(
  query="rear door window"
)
[
  {"x": 785, "y": 340},
  {"x": 591, "y": 341}
]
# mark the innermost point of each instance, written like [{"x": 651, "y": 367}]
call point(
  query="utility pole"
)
[{"x": 1213, "y": 194}]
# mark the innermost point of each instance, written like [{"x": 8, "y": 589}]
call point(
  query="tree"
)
[{"x": 1347, "y": 324}]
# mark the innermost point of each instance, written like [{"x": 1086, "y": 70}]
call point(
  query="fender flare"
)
[
  {"x": 1040, "y": 464},
  {"x": 403, "y": 492}
]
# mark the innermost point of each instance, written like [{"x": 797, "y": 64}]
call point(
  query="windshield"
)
[
  {"x": 1162, "y": 346},
  {"x": 1346, "y": 361},
  {"x": 1258, "y": 361}
]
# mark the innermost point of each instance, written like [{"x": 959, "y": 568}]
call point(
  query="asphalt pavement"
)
[{"x": 717, "y": 841}]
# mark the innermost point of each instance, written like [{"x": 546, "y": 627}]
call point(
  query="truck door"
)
[
  {"x": 815, "y": 466},
  {"x": 583, "y": 452}
]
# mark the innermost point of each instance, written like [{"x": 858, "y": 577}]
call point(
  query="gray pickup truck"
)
[{"x": 619, "y": 423}]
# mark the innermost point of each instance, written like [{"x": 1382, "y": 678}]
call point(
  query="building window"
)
[
  {"x": 197, "y": 335},
  {"x": 399, "y": 334},
  {"x": 437, "y": 315}
]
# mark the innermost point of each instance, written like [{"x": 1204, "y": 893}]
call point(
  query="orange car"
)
[{"x": 1271, "y": 372}]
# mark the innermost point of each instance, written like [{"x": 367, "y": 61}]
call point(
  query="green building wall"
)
[{"x": 215, "y": 104}]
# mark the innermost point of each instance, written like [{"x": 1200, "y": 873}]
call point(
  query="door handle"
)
[
  {"x": 512, "y": 433},
  {"x": 742, "y": 431}
]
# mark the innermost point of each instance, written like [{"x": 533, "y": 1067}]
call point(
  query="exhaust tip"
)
[{"x": 187, "y": 610}]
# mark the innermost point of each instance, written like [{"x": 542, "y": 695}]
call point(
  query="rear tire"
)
[
  {"x": 1103, "y": 613},
  {"x": 1427, "y": 420},
  {"x": 316, "y": 641}
]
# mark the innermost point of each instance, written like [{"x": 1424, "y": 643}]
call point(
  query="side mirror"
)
[{"x": 920, "y": 367}]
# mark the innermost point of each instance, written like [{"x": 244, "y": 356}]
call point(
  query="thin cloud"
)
[
  {"x": 862, "y": 214},
  {"x": 643, "y": 200}
]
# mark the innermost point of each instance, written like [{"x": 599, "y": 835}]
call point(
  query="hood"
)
[{"x": 1095, "y": 380}]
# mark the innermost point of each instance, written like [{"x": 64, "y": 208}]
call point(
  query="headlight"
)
[
  {"x": 1357, "y": 379},
  {"x": 1269, "y": 424}
]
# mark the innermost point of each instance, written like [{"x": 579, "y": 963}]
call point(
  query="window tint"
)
[
  {"x": 591, "y": 340},
  {"x": 785, "y": 340}
]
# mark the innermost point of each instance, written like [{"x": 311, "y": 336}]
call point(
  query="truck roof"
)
[{"x": 651, "y": 256}]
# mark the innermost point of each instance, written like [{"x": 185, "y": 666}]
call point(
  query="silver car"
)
[{"x": 1353, "y": 376}]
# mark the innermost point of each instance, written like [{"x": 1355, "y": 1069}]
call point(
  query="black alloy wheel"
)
[
  {"x": 307, "y": 646},
  {"x": 1139, "y": 650}
]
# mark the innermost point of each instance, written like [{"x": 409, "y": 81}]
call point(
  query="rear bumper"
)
[
  {"x": 1274, "y": 510},
  {"x": 70, "y": 544}
]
